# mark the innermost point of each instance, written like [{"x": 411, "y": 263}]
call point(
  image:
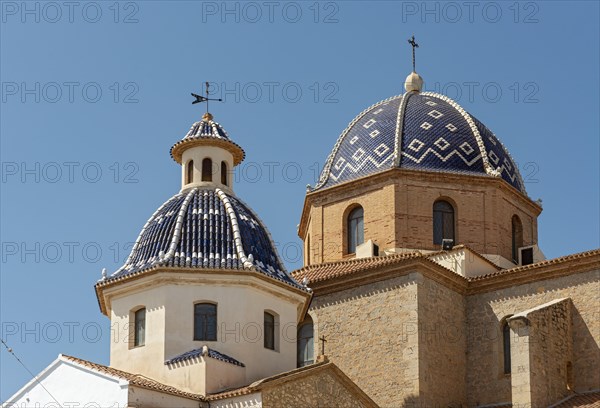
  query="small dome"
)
[
  {"x": 422, "y": 131},
  {"x": 207, "y": 132},
  {"x": 205, "y": 229}
]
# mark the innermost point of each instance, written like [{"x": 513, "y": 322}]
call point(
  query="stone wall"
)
[
  {"x": 372, "y": 336},
  {"x": 322, "y": 389},
  {"x": 541, "y": 354},
  {"x": 486, "y": 381},
  {"x": 442, "y": 345}
]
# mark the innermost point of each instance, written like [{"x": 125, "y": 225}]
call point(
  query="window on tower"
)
[
  {"x": 205, "y": 321},
  {"x": 207, "y": 169},
  {"x": 517, "y": 237},
  {"x": 269, "y": 330},
  {"x": 224, "y": 173},
  {"x": 506, "y": 346},
  {"x": 139, "y": 330},
  {"x": 189, "y": 175},
  {"x": 356, "y": 234},
  {"x": 305, "y": 343},
  {"x": 443, "y": 221}
]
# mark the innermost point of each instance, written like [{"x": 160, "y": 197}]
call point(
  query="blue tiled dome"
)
[
  {"x": 208, "y": 229},
  {"x": 421, "y": 131}
]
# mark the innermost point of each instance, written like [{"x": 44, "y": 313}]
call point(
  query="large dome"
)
[
  {"x": 208, "y": 229},
  {"x": 422, "y": 131}
]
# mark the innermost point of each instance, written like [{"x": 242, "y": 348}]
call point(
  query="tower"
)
[{"x": 203, "y": 302}]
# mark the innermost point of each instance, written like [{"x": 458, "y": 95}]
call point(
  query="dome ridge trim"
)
[
  {"x": 268, "y": 233},
  {"x": 327, "y": 169},
  {"x": 178, "y": 226},
  {"x": 237, "y": 237},
  {"x": 400, "y": 128},
  {"x": 489, "y": 169}
]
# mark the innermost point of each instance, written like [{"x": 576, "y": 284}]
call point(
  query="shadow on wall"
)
[{"x": 586, "y": 353}]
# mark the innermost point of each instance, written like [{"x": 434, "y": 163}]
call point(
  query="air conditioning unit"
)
[
  {"x": 367, "y": 250},
  {"x": 530, "y": 254}
]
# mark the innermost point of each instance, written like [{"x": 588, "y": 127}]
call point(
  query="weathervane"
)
[
  {"x": 414, "y": 44},
  {"x": 200, "y": 98}
]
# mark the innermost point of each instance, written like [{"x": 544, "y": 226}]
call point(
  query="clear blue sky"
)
[{"x": 145, "y": 57}]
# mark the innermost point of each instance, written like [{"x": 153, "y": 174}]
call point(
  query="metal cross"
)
[
  {"x": 200, "y": 98},
  {"x": 323, "y": 341},
  {"x": 414, "y": 44}
]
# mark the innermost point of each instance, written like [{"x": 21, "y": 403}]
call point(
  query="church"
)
[{"x": 423, "y": 285}]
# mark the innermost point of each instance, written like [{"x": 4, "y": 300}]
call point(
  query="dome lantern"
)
[{"x": 207, "y": 155}]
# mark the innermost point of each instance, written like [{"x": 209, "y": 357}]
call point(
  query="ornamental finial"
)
[
  {"x": 413, "y": 82},
  {"x": 414, "y": 44}
]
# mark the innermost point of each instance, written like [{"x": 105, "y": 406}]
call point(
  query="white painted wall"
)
[
  {"x": 169, "y": 300},
  {"x": 71, "y": 384},
  {"x": 217, "y": 155}
]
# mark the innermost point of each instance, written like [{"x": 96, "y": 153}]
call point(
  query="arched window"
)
[
  {"x": 139, "y": 328},
  {"x": 517, "y": 237},
  {"x": 506, "y": 346},
  {"x": 443, "y": 221},
  {"x": 224, "y": 173},
  {"x": 207, "y": 169},
  {"x": 305, "y": 344},
  {"x": 205, "y": 321},
  {"x": 269, "y": 329},
  {"x": 189, "y": 174},
  {"x": 356, "y": 233}
]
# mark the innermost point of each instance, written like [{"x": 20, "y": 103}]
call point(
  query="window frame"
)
[
  {"x": 516, "y": 237},
  {"x": 443, "y": 218},
  {"x": 355, "y": 229},
  {"x": 305, "y": 344},
  {"x": 189, "y": 172},
  {"x": 505, "y": 346},
  {"x": 139, "y": 336},
  {"x": 206, "y": 334},
  {"x": 207, "y": 169},
  {"x": 269, "y": 330},
  {"x": 224, "y": 178}
]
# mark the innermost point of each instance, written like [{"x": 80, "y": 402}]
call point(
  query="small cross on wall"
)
[{"x": 323, "y": 341}]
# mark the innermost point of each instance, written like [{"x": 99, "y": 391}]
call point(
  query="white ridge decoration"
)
[
  {"x": 237, "y": 237},
  {"x": 178, "y": 227},
  {"x": 399, "y": 128},
  {"x": 329, "y": 162},
  {"x": 489, "y": 169}
]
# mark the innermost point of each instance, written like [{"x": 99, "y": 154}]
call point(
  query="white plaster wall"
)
[
  {"x": 143, "y": 359},
  {"x": 72, "y": 386},
  {"x": 199, "y": 153},
  {"x": 241, "y": 302},
  {"x": 464, "y": 262}
]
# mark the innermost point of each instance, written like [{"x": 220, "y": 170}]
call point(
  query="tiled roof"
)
[
  {"x": 255, "y": 386},
  {"x": 330, "y": 270},
  {"x": 422, "y": 131},
  {"x": 587, "y": 400},
  {"x": 204, "y": 229},
  {"x": 207, "y": 130},
  {"x": 210, "y": 353},
  {"x": 541, "y": 264},
  {"x": 137, "y": 380}
]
